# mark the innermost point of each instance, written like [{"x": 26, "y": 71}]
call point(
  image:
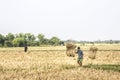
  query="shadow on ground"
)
[{"x": 104, "y": 67}]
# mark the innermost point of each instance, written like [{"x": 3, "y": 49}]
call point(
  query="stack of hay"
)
[
  {"x": 70, "y": 49},
  {"x": 93, "y": 51}
]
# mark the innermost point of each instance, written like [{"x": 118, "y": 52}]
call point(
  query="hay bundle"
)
[
  {"x": 93, "y": 51},
  {"x": 70, "y": 51}
]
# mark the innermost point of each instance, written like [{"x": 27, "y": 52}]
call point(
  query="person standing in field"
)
[
  {"x": 80, "y": 56},
  {"x": 25, "y": 47}
]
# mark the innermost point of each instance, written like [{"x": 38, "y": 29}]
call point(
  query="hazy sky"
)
[{"x": 66, "y": 19}]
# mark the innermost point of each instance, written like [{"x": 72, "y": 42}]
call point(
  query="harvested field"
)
[{"x": 52, "y": 63}]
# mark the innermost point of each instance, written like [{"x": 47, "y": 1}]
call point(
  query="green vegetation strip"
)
[{"x": 104, "y": 67}]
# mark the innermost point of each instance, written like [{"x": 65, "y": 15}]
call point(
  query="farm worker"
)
[
  {"x": 80, "y": 56},
  {"x": 25, "y": 46}
]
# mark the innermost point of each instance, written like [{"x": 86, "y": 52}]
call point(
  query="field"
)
[{"x": 51, "y": 63}]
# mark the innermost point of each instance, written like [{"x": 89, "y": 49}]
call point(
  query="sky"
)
[{"x": 67, "y": 19}]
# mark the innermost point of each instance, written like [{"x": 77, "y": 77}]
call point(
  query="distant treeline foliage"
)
[{"x": 18, "y": 40}]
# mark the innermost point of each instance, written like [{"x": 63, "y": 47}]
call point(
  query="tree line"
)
[{"x": 18, "y": 40}]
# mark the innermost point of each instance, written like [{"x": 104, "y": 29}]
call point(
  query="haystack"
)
[
  {"x": 93, "y": 50},
  {"x": 70, "y": 49}
]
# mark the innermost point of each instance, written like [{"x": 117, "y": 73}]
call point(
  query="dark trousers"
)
[{"x": 25, "y": 49}]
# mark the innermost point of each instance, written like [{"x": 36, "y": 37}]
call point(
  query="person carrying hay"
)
[{"x": 80, "y": 56}]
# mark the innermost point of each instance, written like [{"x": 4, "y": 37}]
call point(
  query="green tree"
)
[
  {"x": 62, "y": 43},
  {"x": 18, "y": 42},
  {"x": 8, "y": 43},
  {"x": 30, "y": 38},
  {"x": 54, "y": 41},
  {"x": 8, "y": 40},
  {"x": 20, "y": 35},
  {"x": 46, "y": 41},
  {"x": 2, "y": 40},
  {"x": 40, "y": 38}
]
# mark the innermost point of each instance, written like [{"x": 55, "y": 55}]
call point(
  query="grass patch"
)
[
  {"x": 68, "y": 66},
  {"x": 104, "y": 67}
]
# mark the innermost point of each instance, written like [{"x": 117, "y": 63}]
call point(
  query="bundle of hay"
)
[
  {"x": 70, "y": 49},
  {"x": 93, "y": 50}
]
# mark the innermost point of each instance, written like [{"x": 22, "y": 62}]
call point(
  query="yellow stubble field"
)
[{"x": 51, "y": 63}]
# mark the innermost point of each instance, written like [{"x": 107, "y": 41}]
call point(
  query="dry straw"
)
[
  {"x": 93, "y": 51},
  {"x": 70, "y": 49}
]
